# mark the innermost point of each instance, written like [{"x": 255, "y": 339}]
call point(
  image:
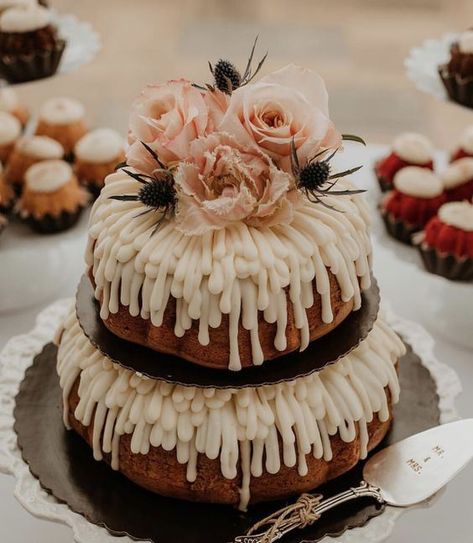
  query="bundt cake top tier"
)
[
  {"x": 252, "y": 430},
  {"x": 247, "y": 272}
]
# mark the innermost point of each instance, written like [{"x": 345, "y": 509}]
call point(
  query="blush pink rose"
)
[
  {"x": 217, "y": 105},
  {"x": 289, "y": 103},
  {"x": 168, "y": 117},
  {"x": 225, "y": 183}
]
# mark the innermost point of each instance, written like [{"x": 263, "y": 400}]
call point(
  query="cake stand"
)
[
  {"x": 35, "y": 267},
  {"x": 444, "y": 306},
  {"x": 19, "y": 353}
]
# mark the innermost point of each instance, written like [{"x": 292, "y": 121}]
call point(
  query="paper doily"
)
[
  {"x": 18, "y": 355},
  {"x": 423, "y": 62}
]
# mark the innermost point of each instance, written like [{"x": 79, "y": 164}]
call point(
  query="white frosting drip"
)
[
  {"x": 413, "y": 148},
  {"x": 457, "y": 214},
  {"x": 418, "y": 182},
  {"x": 10, "y": 128},
  {"x": 240, "y": 427},
  {"x": 20, "y": 19},
  {"x": 41, "y": 147},
  {"x": 62, "y": 111},
  {"x": 100, "y": 145},
  {"x": 466, "y": 141},
  {"x": 238, "y": 271},
  {"x": 465, "y": 43},
  {"x": 48, "y": 175},
  {"x": 8, "y": 99},
  {"x": 457, "y": 173}
]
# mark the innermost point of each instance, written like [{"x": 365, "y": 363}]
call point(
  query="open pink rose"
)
[
  {"x": 225, "y": 182},
  {"x": 168, "y": 118},
  {"x": 289, "y": 103}
]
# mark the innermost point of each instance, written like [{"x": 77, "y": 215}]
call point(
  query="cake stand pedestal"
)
[{"x": 35, "y": 267}]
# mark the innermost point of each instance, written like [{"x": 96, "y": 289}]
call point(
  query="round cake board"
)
[
  {"x": 165, "y": 367},
  {"x": 65, "y": 467}
]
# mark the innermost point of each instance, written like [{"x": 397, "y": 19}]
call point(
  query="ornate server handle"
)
[{"x": 304, "y": 512}]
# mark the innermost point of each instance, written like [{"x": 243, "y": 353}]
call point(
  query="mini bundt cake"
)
[
  {"x": 52, "y": 200},
  {"x": 409, "y": 149},
  {"x": 465, "y": 145},
  {"x": 457, "y": 73},
  {"x": 457, "y": 180},
  {"x": 446, "y": 244},
  {"x": 417, "y": 195}
]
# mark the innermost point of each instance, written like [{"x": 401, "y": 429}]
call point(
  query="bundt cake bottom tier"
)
[{"x": 159, "y": 471}]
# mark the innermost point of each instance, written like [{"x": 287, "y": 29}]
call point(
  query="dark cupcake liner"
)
[
  {"x": 448, "y": 266},
  {"x": 52, "y": 225},
  {"x": 399, "y": 229},
  {"x": 459, "y": 89},
  {"x": 36, "y": 65}
]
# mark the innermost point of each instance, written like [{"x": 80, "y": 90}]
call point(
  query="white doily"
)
[
  {"x": 83, "y": 42},
  {"x": 423, "y": 62},
  {"x": 19, "y": 353}
]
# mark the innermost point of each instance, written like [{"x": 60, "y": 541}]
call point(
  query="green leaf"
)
[{"x": 352, "y": 137}]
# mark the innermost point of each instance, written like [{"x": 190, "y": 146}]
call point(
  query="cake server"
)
[{"x": 400, "y": 475}]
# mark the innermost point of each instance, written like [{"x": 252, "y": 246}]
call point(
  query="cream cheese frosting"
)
[
  {"x": 62, "y": 110},
  {"x": 465, "y": 42},
  {"x": 10, "y": 128},
  {"x": 6, "y": 4},
  {"x": 457, "y": 214},
  {"x": 457, "y": 173},
  {"x": 240, "y": 427},
  {"x": 466, "y": 141},
  {"x": 42, "y": 147},
  {"x": 21, "y": 19},
  {"x": 417, "y": 182},
  {"x": 237, "y": 271},
  {"x": 413, "y": 148},
  {"x": 48, "y": 175},
  {"x": 100, "y": 145}
]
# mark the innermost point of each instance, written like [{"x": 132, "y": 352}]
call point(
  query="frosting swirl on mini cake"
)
[
  {"x": 413, "y": 148},
  {"x": 10, "y": 128},
  {"x": 417, "y": 182},
  {"x": 62, "y": 110},
  {"x": 457, "y": 173},
  {"x": 6, "y": 4},
  {"x": 240, "y": 427},
  {"x": 19, "y": 19},
  {"x": 240, "y": 271},
  {"x": 42, "y": 147},
  {"x": 100, "y": 145},
  {"x": 457, "y": 214},
  {"x": 48, "y": 175}
]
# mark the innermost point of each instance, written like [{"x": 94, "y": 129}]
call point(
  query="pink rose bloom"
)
[
  {"x": 168, "y": 117},
  {"x": 217, "y": 104},
  {"x": 225, "y": 183},
  {"x": 289, "y": 103}
]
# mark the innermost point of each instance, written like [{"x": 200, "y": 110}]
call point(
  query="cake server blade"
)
[{"x": 401, "y": 475}]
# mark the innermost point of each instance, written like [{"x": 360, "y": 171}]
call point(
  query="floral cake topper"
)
[{"x": 239, "y": 150}]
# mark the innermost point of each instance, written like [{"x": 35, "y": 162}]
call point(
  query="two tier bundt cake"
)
[{"x": 228, "y": 241}]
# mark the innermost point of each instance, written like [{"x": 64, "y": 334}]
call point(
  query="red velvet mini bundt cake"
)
[
  {"x": 416, "y": 197},
  {"x": 408, "y": 149},
  {"x": 457, "y": 180},
  {"x": 446, "y": 244}
]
